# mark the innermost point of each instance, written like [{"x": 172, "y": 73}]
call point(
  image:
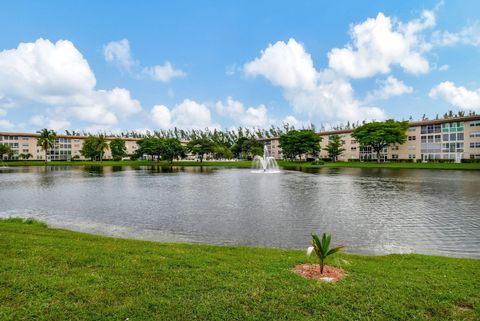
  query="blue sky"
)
[{"x": 125, "y": 65}]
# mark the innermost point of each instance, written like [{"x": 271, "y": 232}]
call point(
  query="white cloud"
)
[
  {"x": 55, "y": 75},
  {"x": 388, "y": 88},
  {"x": 469, "y": 35},
  {"x": 457, "y": 95},
  {"x": 162, "y": 116},
  {"x": 287, "y": 65},
  {"x": 292, "y": 121},
  {"x": 55, "y": 124},
  {"x": 249, "y": 117},
  {"x": 5, "y": 124},
  {"x": 187, "y": 114},
  {"x": 443, "y": 68},
  {"x": 378, "y": 43},
  {"x": 324, "y": 94},
  {"x": 164, "y": 73},
  {"x": 118, "y": 53}
]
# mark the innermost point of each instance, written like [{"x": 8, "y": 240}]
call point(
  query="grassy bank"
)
[
  {"x": 52, "y": 274},
  {"x": 248, "y": 164}
]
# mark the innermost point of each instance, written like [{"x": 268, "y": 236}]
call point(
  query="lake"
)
[{"x": 371, "y": 211}]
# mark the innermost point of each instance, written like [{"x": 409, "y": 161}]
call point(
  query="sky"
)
[{"x": 144, "y": 65}]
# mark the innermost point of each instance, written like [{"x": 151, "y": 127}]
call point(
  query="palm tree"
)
[
  {"x": 46, "y": 140},
  {"x": 322, "y": 248},
  {"x": 102, "y": 145}
]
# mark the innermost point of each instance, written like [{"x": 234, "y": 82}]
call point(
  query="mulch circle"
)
[{"x": 312, "y": 271}]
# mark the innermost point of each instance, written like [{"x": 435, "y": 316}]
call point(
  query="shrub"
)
[{"x": 322, "y": 248}]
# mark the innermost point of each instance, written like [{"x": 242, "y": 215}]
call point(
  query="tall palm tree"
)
[
  {"x": 46, "y": 140},
  {"x": 102, "y": 145}
]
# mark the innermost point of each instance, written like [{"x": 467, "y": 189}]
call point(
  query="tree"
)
[
  {"x": 4, "y": 150},
  {"x": 245, "y": 147},
  {"x": 171, "y": 148},
  {"x": 379, "y": 135},
  {"x": 148, "y": 146},
  {"x": 298, "y": 142},
  {"x": 102, "y": 146},
  {"x": 89, "y": 148},
  {"x": 118, "y": 148},
  {"x": 200, "y": 147},
  {"x": 46, "y": 140},
  {"x": 334, "y": 147}
]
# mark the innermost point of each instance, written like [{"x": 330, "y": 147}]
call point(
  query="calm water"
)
[{"x": 367, "y": 210}]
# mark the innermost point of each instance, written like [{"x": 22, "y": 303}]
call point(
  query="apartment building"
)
[
  {"x": 66, "y": 147},
  {"x": 454, "y": 139}
]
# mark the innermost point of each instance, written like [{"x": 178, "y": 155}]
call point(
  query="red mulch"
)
[{"x": 312, "y": 271}]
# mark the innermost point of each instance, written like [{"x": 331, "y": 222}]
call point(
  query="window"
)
[
  {"x": 412, "y": 137},
  {"x": 453, "y": 137},
  {"x": 475, "y": 123},
  {"x": 412, "y": 129},
  {"x": 474, "y": 134},
  {"x": 353, "y": 148},
  {"x": 411, "y": 156},
  {"x": 394, "y": 147},
  {"x": 475, "y": 145},
  {"x": 438, "y": 138},
  {"x": 394, "y": 156},
  {"x": 459, "y": 136},
  {"x": 411, "y": 147}
]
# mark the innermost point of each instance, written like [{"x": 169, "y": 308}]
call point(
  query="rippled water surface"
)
[{"x": 367, "y": 210}]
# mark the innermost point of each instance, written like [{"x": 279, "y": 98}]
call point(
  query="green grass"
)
[
  {"x": 248, "y": 164},
  {"x": 53, "y": 274}
]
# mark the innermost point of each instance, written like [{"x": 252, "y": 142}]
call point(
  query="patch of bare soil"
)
[{"x": 312, "y": 271}]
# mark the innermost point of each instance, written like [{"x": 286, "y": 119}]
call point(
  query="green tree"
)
[
  {"x": 148, "y": 146},
  {"x": 118, "y": 148},
  {"x": 334, "y": 147},
  {"x": 102, "y": 145},
  {"x": 300, "y": 142},
  {"x": 46, "y": 140},
  {"x": 379, "y": 135},
  {"x": 89, "y": 148},
  {"x": 245, "y": 147},
  {"x": 171, "y": 148},
  {"x": 4, "y": 150},
  {"x": 200, "y": 147}
]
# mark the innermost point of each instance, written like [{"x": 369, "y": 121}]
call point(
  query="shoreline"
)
[{"x": 248, "y": 164}]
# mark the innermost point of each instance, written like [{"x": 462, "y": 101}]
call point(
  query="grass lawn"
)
[
  {"x": 248, "y": 164},
  {"x": 53, "y": 274}
]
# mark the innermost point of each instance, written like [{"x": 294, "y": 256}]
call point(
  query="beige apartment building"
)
[
  {"x": 454, "y": 139},
  {"x": 66, "y": 146}
]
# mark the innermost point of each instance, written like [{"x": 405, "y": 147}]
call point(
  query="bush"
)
[
  {"x": 20, "y": 220},
  {"x": 318, "y": 162},
  {"x": 469, "y": 160}
]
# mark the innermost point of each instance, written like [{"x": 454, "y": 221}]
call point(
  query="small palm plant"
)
[{"x": 322, "y": 248}]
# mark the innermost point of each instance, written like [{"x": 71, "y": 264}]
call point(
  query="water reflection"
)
[{"x": 368, "y": 210}]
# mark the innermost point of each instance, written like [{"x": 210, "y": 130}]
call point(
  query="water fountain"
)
[{"x": 265, "y": 163}]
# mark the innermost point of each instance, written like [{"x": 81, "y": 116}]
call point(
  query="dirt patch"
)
[{"x": 312, "y": 271}]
